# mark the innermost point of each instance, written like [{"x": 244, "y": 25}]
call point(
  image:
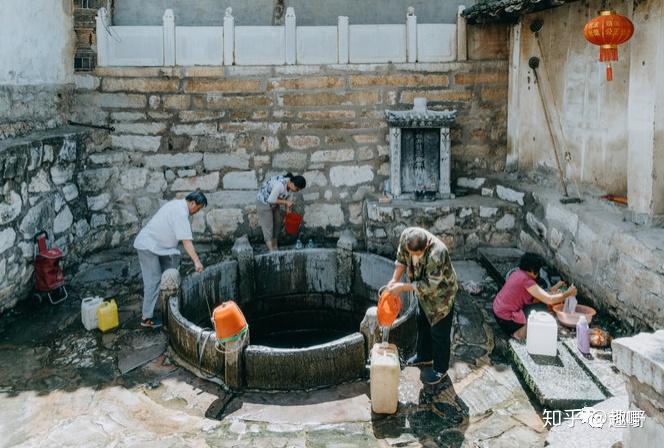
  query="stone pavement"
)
[{"x": 60, "y": 386}]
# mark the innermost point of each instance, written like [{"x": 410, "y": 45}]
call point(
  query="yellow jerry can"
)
[{"x": 107, "y": 316}]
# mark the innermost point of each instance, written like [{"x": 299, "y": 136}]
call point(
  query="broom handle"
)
[{"x": 550, "y": 112}]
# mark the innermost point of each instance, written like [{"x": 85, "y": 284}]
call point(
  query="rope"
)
[
  {"x": 240, "y": 343},
  {"x": 200, "y": 351}
]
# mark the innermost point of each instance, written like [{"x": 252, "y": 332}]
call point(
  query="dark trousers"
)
[{"x": 434, "y": 341}]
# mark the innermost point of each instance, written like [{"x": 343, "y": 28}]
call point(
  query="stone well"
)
[{"x": 307, "y": 311}]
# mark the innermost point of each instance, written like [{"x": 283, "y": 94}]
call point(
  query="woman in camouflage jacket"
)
[{"x": 426, "y": 261}]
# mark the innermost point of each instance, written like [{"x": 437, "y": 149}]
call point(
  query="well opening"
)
[{"x": 303, "y": 320}]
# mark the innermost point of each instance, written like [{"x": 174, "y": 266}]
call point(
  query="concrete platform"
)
[{"x": 556, "y": 383}]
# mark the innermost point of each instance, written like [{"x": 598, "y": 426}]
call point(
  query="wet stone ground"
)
[{"x": 63, "y": 386}]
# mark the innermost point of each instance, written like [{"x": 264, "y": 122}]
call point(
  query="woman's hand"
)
[
  {"x": 394, "y": 287},
  {"x": 571, "y": 291},
  {"x": 555, "y": 288}
]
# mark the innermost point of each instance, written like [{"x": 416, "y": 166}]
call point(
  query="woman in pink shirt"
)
[{"x": 515, "y": 299}]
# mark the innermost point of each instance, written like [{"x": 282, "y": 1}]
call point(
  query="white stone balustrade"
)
[
  {"x": 170, "y": 45},
  {"x": 641, "y": 359}
]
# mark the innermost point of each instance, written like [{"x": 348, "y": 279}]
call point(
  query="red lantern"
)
[{"x": 608, "y": 30}]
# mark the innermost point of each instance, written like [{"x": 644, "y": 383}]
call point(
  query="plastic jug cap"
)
[
  {"x": 539, "y": 316},
  {"x": 582, "y": 319}
]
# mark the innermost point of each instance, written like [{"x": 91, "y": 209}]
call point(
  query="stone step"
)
[
  {"x": 498, "y": 261},
  {"x": 600, "y": 367},
  {"x": 556, "y": 383}
]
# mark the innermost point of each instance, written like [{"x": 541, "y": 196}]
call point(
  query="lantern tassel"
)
[
  {"x": 609, "y": 73},
  {"x": 608, "y": 54}
]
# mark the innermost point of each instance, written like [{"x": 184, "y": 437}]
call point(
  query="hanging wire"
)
[{"x": 114, "y": 36}]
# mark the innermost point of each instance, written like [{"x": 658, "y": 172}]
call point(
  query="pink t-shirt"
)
[{"x": 511, "y": 299}]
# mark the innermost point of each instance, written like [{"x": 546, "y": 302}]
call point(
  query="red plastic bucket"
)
[
  {"x": 292, "y": 223},
  {"x": 229, "y": 322}
]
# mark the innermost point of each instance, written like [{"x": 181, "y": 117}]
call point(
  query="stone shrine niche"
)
[{"x": 420, "y": 152}]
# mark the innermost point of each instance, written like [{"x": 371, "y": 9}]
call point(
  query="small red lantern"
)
[{"x": 608, "y": 30}]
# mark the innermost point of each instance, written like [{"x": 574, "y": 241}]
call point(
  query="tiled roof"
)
[{"x": 506, "y": 10}]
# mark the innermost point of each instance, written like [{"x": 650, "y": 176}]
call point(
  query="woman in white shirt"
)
[{"x": 273, "y": 193}]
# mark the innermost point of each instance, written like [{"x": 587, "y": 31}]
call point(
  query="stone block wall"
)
[
  {"x": 226, "y": 129},
  {"x": 44, "y": 188},
  {"x": 24, "y": 109},
  {"x": 617, "y": 265},
  {"x": 463, "y": 223},
  {"x": 639, "y": 358}
]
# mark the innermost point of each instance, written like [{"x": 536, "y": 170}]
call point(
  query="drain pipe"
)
[{"x": 93, "y": 126}]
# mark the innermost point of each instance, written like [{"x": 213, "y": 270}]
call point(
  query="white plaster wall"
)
[
  {"x": 36, "y": 42},
  {"x": 593, "y": 111},
  {"x": 646, "y": 110}
]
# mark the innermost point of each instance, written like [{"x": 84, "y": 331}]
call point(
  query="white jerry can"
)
[
  {"x": 384, "y": 378},
  {"x": 89, "y": 307},
  {"x": 542, "y": 338}
]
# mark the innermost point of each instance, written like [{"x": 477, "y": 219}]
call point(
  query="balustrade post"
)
[
  {"x": 291, "y": 37},
  {"x": 103, "y": 24},
  {"x": 229, "y": 37},
  {"x": 343, "y": 30},
  {"x": 169, "y": 37},
  {"x": 411, "y": 35},
  {"x": 462, "y": 40}
]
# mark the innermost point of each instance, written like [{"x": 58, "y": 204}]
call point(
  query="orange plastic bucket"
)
[
  {"x": 229, "y": 322},
  {"x": 389, "y": 307},
  {"x": 292, "y": 223}
]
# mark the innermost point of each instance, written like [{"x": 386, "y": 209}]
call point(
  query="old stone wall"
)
[
  {"x": 617, "y": 265},
  {"x": 464, "y": 223},
  {"x": 36, "y": 50},
  {"x": 45, "y": 187},
  {"x": 226, "y": 129}
]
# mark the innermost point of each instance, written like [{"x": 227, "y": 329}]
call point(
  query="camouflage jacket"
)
[{"x": 433, "y": 277}]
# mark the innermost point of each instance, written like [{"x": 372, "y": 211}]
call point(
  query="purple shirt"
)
[{"x": 513, "y": 296}]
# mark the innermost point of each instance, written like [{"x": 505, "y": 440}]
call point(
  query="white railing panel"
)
[
  {"x": 139, "y": 46},
  {"x": 316, "y": 44},
  {"x": 436, "y": 42},
  {"x": 199, "y": 45},
  {"x": 377, "y": 43},
  {"x": 260, "y": 45}
]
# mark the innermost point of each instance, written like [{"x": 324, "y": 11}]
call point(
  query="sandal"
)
[{"x": 151, "y": 323}]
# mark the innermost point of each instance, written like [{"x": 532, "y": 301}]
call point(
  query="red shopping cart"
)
[{"x": 49, "y": 276}]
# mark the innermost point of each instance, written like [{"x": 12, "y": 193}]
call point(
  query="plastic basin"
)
[{"x": 570, "y": 319}]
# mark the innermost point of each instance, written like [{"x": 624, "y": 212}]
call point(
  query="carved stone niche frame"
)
[{"x": 420, "y": 179}]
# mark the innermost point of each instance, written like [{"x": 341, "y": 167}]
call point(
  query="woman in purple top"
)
[{"x": 516, "y": 297}]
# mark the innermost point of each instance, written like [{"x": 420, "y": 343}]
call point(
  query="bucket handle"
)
[
  {"x": 380, "y": 291},
  {"x": 38, "y": 234}
]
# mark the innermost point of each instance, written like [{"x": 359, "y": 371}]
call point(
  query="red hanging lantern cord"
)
[{"x": 608, "y": 30}]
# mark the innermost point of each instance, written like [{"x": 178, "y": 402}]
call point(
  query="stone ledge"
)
[
  {"x": 557, "y": 383},
  {"x": 642, "y": 356},
  {"x": 38, "y": 136},
  {"x": 295, "y": 70},
  {"x": 461, "y": 201}
]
